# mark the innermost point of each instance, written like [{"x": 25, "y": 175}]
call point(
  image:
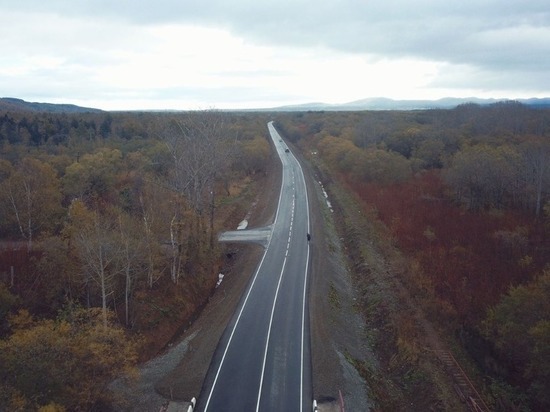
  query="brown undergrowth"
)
[{"x": 407, "y": 374}]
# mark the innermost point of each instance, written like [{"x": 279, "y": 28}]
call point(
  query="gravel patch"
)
[{"x": 141, "y": 395}]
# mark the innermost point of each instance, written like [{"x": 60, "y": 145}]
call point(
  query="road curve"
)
[{"x": 263, "y": 361}]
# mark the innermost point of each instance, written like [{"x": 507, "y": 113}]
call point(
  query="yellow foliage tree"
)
[
  {"x": 53, "y": 365},
  {"x": 255, "y": 153}
]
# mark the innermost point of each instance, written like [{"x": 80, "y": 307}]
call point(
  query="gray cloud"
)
[
  {"x": 426, "y": 27},
  {"x": 488, "y": 44},
  {"x": 486, "y": 33}
]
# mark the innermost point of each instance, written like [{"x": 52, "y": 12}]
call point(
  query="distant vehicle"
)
[{"x": 286, "y": 150}]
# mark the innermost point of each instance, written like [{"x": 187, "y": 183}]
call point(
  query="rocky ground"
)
[{"x": 336, "y": 328}]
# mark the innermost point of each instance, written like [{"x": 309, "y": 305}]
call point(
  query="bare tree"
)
[
  {"x": 33, "y": 193},
  {"x": 129, "y": 260},
  {"x": 536, "y": 155},
  {"x": 201, "y": 153},
  {"x": 98, "y": 247},
  {"x": 147, "y": 218}
]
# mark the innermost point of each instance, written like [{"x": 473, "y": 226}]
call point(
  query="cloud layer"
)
[{"x": 258, "y": 53}]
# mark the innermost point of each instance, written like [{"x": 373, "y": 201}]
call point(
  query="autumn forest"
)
[
  {"x": 108, "y": 225},
  {"x": 463, "y": 194}
]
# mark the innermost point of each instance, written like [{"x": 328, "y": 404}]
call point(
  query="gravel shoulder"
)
[{"x": 336, "y": 328}]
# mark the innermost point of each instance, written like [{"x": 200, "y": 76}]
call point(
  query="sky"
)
[{"x": 242, "y": 54}]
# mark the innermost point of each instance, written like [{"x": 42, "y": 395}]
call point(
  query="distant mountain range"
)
[
  {"x": 13, "y": 104},
  {"x": 382, "y": 103},
  {"x": 373, "y": 103}
]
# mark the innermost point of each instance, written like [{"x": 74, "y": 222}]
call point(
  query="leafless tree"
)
[
  {"x": 201, "y": 152},
  {"x": 99, "y": 249},
  {"x": 149, "y": 240},
  {"x": 536, "y": 155},
  {"x": 129, "y": 261},
  {"x": 32, "y": 191}
]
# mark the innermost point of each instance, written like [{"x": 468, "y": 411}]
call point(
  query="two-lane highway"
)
[{"x": 263, "y": 361}]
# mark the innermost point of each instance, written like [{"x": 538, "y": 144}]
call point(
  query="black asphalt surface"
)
[{"x": 263, "y": 362}]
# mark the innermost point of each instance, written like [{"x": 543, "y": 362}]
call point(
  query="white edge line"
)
[{"x": 304, "y": 300}]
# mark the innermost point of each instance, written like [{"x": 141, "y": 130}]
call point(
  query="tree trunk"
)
[
  {"x": 175, "y": 228},
  {"x": 148, "y": 242},
  {"x": 127, "y": 295},
  {"x": 29, "y": 214},
  {"x": 103, "y": 285}
]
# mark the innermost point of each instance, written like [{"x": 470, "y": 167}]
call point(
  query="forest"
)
[
  {"x": 108, "y": 225},
  {"x": 464, "y": 195}
]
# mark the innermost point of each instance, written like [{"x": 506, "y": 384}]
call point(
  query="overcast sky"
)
[{"x": 202, "y": 54}]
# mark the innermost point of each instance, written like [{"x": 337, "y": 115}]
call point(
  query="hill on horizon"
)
[
  {"x": 383, "y": 103},
  {"x": 14, "y": 104}
]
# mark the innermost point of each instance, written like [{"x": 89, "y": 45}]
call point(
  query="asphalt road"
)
[{"x": 263, "y": 362}]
